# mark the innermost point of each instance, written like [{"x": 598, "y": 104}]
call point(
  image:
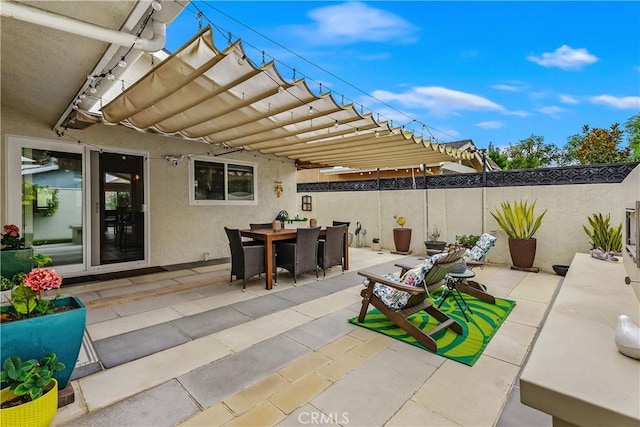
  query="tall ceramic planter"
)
[
  {"x": 14, "y": 261},
  {"x": 402, "y": 239},
  {"x": 60, "y": 333},
  {"x": 523, "y": 252},
  {"x": 37, "y": 413}
]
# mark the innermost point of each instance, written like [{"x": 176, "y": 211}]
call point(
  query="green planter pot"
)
[
  {"x": 60, "y": 333},
  {"x": 13, "y": 261}
]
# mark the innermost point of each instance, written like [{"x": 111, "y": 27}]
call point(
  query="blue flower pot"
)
[{"x": 60, "y": 333}]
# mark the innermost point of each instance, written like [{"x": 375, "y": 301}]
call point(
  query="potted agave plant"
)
[
  {"x": 37, "y": 322},
  {"x": 31, "y": 397},
  {"x": 603, "y": 235},
  {"x": 520, "y": 224}
]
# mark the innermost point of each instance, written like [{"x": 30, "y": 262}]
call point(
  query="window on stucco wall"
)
[{"x": 215, "y": 182}]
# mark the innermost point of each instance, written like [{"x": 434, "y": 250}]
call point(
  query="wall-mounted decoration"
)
[{"x": 306, "y": 203}]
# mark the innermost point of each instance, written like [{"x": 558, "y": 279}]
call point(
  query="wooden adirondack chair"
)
[{"x": 415, "y": 283}]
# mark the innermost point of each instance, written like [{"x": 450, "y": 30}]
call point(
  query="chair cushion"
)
[
  {"x": 480, "y": 249},
  {"x": 396, "y": 299}
]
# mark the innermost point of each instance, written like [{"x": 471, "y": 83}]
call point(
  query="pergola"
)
[{"x": 222, "y": 98}]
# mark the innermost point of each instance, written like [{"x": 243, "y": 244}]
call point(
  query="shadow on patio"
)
[{"x": 183, "y": 348}]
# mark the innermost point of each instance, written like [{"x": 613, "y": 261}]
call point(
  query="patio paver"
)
[{"x": 309, "y": 342}]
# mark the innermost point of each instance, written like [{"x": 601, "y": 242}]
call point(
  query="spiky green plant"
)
[
  {"x": 518, "y": 220},
  {"x": 602, "y": 234}
]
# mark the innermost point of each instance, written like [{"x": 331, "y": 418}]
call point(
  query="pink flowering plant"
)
[
  {"x": 11, "y": 237},
  {"x": 28, "y": 298}
]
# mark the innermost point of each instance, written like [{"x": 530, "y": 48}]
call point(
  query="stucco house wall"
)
[{"x": 179, "y": 232}]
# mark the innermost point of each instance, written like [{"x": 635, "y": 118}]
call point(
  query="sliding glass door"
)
[
  {"x": 121, "y": 208},
  {"x": 83, "y": 207},
  {"x": 45, "y": 198}
]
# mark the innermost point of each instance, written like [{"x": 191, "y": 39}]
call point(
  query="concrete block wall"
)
[{"x": 468, "y": 211}]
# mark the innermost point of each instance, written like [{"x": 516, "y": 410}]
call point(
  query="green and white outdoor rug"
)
[{"x": 465, "y": 348}]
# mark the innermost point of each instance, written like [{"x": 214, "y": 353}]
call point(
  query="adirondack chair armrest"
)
[
  {"x": 374, "y": 278},
  {"x": 404, "y": 267},
  {"x": 473, "y": 264}
]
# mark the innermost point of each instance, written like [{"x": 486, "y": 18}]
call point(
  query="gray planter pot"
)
[{"x": 435, "y": 245}]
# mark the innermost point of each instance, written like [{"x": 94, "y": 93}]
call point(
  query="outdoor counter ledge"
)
[{"x": 575, "y": 372}]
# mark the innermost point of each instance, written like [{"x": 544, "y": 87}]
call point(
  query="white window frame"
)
[{"x": 226, "y": 163}]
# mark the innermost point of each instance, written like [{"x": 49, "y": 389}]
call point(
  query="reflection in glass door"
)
[
  {"x": 52, "y": 204},
  {"x": 121, "y": 208}
]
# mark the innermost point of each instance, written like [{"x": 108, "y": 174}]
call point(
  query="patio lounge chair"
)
[
  {"x": 435, "y": 279},
  {"x": 398, "y": 297},
  {"x": 473, "y": 257}
]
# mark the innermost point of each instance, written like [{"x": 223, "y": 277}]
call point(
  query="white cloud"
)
[
  {"x": 568, "y": 99},
  {"x": 491, "y": 124},
  {"x": 622, "y": 103},
  {"x": 517, "y": 113},
  {"x": 552, "y": 111},
  {"x": 507, "y": 88},
  {"x": 511, "y": 86},
  {"x": 439, "y": 101},
  {"x": 565, "y": 58},
  {"x": 354, "y": 22}
]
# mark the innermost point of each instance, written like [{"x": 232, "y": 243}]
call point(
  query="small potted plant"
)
[
  {"x": 467, "y": 241},
  {"x": 401, "y": 235},
  {"x": 375, "y": 244},
  {"x": 31, "y": 398},
  {"x": 433, "y": 244}
]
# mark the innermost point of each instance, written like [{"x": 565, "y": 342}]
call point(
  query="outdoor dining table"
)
[{"x": 268, "y": 236}]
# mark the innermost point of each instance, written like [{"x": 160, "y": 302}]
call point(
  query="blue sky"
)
[{"x": 487, "y": 71}]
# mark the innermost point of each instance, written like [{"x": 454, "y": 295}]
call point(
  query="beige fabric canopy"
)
[{"x": 220, "y": 97}]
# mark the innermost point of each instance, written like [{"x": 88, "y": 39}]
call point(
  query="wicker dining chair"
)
[
  {"x": 331, "y": 249},
  {"x": 300, "y": 256},
  {"x": 246, "y": 260}
]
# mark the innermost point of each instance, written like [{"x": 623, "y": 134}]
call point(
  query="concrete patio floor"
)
[{"x": 184, "y": 348}]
